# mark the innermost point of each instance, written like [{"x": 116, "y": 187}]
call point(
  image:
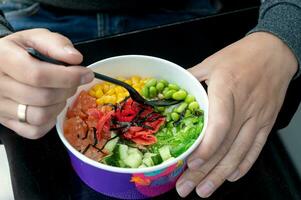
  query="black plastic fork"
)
[{"x": 133, "y": 93}]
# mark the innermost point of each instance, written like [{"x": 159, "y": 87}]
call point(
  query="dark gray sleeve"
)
[
  {"x": 283, "y": 19},
  {"x": 5, "y": 27}
]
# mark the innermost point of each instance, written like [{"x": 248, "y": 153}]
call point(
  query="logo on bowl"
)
[{"x": 155, "y": 183}]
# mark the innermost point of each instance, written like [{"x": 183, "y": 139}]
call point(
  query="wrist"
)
[{"x": 276, "y": 51}]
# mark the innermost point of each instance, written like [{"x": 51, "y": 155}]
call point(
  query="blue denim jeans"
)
[{"x": 79, "y": 27}]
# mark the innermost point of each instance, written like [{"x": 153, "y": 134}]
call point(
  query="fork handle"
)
[{"x": 36, "y": 54}]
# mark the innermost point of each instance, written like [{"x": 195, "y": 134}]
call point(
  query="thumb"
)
[{"x": 51, "y": 44}]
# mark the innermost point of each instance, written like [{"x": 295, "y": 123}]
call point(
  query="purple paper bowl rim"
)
[{"x": 161, "y": 166}]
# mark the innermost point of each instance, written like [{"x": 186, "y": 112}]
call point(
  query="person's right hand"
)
[{"x": 43, "y": 87}]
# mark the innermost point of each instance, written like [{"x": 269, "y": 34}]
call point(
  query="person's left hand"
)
[{"x": 247, "y": 82}]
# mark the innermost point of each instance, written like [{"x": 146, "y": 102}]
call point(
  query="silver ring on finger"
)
[{"x": 21, "y": 112}]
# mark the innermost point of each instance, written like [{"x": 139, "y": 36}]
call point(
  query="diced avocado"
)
[
  {"x": 165, "y": 152},
  {"x": 112, "y": 144}
]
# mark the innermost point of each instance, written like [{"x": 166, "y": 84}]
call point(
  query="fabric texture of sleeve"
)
[
  {"x": 282, "y": 18},
  {"x": 5, "y": 27}
]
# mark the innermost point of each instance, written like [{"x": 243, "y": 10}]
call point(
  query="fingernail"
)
[
  {"x": 206, "y": 189},
  {"x": 70, "y": 49},
  {"x": 195, "y": 164},
  {"x": 185, "y": 188},
  {"x": 87, "y": 78},
  {"x": 234, "y": 176}
]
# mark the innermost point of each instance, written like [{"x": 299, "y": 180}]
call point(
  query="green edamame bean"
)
[
  {"x": 187, "y": 113},
  {"x": 165, "y": 82},
  {"x": 189, "y": 98},
  {"x": 160, "y": 86},
  {"x": 168, "y": 94},
  {"x": 145, "y": 92},
  {"x": 175, "y": 116},
  {"x": 193, "y": 106},
  {"x": 165, "y": 90},
  {"x": 179, "y": 95},
  {"x": 172, "y": 86},
  {"x": 151, "y": 82},
  {"x": 181, "y": 107},
  {"x": 152, "y": 91}
]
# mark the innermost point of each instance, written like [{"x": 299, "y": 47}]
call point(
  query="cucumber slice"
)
[
  {"x": 111, "y": 144},
  {"x": 165, "y": 152},
  {"x": 133, "y": 160},
  {"x": 132, "y": 150},
  {"x": 156, "y": 159},
  {"x": 148, "y": 162},
  {"x": 121, "y": 151},
  {"x": 171, "y": 158},
  {"x": 109, "y": 160},
  {"x": 142, "y": 166},
  {"x": 148, "y": 155}
]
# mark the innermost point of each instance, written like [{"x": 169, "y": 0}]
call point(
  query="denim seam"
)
[{"x": 29, "y": 11}]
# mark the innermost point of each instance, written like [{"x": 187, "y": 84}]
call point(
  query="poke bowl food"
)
[{"x": 126, "y": 149}]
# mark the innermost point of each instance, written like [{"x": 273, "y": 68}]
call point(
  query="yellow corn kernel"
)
[
  {"x": 96, "y": 87},
  {"x": 99, "y": 101},
  {"x": 145, "y": 80},
  {"x": 105, "y": 87},
  {"x": 118, "y": 89},
  {"x": 119, "y": 100},
  {"x": 109, "y": 99},
  {"x": 99, "y": 93},
  {"x": 105, "y": 99},
  {"x": 127, "y": 93},
  {"x": 135, "y": 79},
  {"x": 120, "y": 96},
  {"x": 123, "y": 90},
  {"x": 137, "y": 88},
  {"x": 135, "y": 85},
  {"x": 110, "y": 91},
  {"x": 92, "y": 93},
  {"x": 128, "y": 82}
]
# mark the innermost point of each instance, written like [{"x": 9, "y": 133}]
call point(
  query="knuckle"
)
[
  {"x": 47, "y": 97},
  {"x": 220, "y": 176},
  {"x": 201, "y": 173},
  {"x": 223, "y": 170},
  {"x": 207, "y": 152},
  {"x": 73, "y": 80},
  {"x": 37, "y": 77}
]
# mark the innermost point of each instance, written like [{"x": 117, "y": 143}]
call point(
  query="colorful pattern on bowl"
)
[{"x": 128, "y": 186}]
